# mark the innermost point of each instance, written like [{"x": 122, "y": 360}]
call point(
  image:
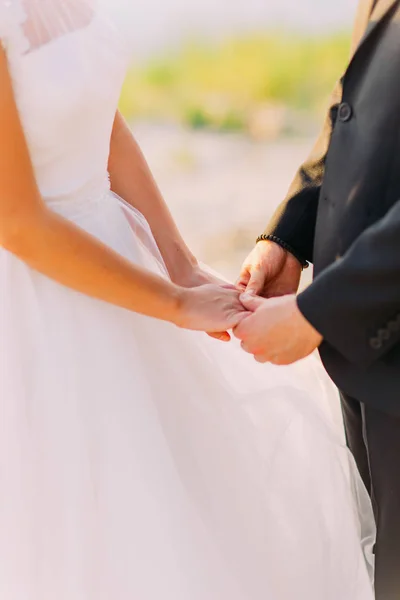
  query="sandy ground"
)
[{"x": 221, "y": 188}]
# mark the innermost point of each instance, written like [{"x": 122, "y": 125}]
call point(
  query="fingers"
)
[
  {"x": 249, "y": 347},
  {"x": 240, "y": 330},
  {"x": 247, "y": 328},
  {"x": 261, "y": 358},
  {"x": 259, "y": 355},
  {"x": 229, "y": 286},
  {"x": 251, "y": 302},
  {"x": 251, "y": 333},
  {"x": 238, "y": 317},
  {"x": 222, "y": 336},
  {"x": 243, "y": 280},
  {"x": 256, "y": 282},
  {"x": 274, "y": 359},
  {"x": 243, "y": 331}
]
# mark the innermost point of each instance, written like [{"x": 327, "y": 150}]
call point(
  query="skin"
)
[
  {"x": 62, "y": 251},
  {"x": 277, "y": 332},
  {"x": 269, "y": 271},
  {"x": 133, "y": 181}
]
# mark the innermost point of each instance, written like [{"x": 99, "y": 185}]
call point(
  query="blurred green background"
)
[
  {"x": 266, "y": 85},
  {"x": 226, "y": 99}
]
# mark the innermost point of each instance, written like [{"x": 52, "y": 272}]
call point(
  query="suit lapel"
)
[
  {"x": 364, "y": 12},
  {"x": 370, "y": 16},
  {"x": 378, "y": 10}
]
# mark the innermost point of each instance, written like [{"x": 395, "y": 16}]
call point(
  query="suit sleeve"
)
[
  {"x": 355, "y": 303},
  {"x": 295, "y": 219}
]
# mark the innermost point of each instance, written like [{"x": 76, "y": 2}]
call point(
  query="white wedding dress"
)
[{"x": 139, "y": 461}]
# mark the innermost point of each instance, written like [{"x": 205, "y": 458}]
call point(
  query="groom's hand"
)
[
  {"x": 270, "y": 271},
  {"x": 276, "y": 332}
]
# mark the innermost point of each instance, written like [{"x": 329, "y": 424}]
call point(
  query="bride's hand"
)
[
  {"x": 210, "y": 308},
  {"x": 198, "y": 276}
]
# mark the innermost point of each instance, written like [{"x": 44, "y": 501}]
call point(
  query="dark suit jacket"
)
[{"x": 343, "y": 214}]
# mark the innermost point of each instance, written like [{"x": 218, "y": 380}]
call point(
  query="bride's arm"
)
[
  {"x": 132, "y": 180},
  {"x": 62, "y": 251}
]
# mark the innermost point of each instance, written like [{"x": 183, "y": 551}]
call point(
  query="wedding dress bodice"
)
[{"x": 67, "y": 60}]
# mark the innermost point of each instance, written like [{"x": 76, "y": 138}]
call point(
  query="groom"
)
[{"x": 342, "y": 213}]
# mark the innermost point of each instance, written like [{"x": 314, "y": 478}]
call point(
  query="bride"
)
[{"x": 140, "y": 460}]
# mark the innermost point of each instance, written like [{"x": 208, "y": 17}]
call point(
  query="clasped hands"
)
[
  {"x": 272, "y": 328},
  {"x": 276, "y": 331}
]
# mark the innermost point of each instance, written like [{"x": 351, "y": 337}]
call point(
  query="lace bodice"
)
[{"x": 67, "y": 60}]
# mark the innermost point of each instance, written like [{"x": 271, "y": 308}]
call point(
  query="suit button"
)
[
  {"x": 393, "y": 326},
  {"x": 384, "y": 334},
  {"x": 376, "y": 343},
  {"x": 345, "y": 112}
]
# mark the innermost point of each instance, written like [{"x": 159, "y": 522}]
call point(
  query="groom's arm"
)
[
  {"x": 294, "y": 220},
  {"x": 355, "y": 303}
]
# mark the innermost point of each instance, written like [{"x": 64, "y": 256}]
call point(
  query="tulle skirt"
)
[{"x": 143, "y": 462}]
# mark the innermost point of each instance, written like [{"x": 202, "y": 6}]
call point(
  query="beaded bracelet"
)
[{"x": 272, "y": 238}]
